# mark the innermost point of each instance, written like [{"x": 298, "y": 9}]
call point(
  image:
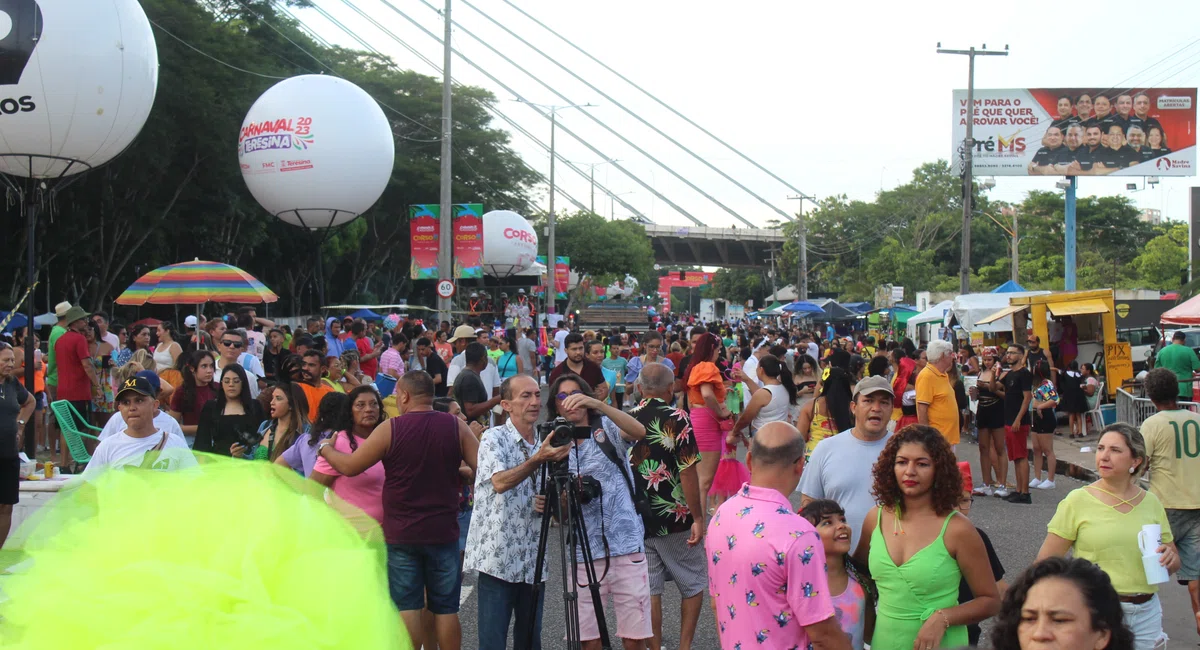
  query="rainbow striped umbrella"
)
[{"x": 194, "y": 283}]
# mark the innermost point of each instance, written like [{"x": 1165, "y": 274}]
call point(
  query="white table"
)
[{"x": 35, "y": 494}]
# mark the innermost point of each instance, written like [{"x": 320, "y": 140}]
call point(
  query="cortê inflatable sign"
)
[
  {"x": 316, "y": 151},
  {"x": 509, "y": 244},
  {"x": 77, "y": 81}
]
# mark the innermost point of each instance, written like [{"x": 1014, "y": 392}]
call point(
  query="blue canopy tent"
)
[
  {"x": 802, "y": 308},
  {"x": 18, "y": 321},
  {"x": 1008, "y": 287},
  {"x": 365, "y": 314},
  {"x": 860, "y": 307}
]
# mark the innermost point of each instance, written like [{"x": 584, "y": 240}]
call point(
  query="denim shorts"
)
[{"x": 424, "y": 575}]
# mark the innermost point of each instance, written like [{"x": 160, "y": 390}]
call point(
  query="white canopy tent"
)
[
  {"x": 935, "y": 314},
  {"x": 971, "y": 308}
]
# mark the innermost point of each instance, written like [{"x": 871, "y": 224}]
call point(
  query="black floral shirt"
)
[{"x": 657, "y": 459}]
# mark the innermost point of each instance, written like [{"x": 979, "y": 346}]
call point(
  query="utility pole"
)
[
  {"x": 1016, "y": 261},
  {"x": 964, "y": 270},
  {"x": 446, "y": 219},
  {"x": 802, "y": 234},
  {"x": 551, "y": 260}
]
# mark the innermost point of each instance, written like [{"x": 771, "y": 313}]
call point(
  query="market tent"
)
[
  {"x": 935, "y": 314},
  {"x": 835, "y": 311},
  {"x": 971, "y": 308},
  {"x": 17, "y": 321},
  {"x": 365, "y": 314},
  {"x": 1008, "y": 287},
  {"x": 1185, "y": 313},
  {"x": 900, "y": 315},
  {"x": 802, "y": 307},
  {"x": 860, "y": 307}
]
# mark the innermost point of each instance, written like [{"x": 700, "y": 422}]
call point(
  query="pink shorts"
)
[
  {"x": 628, "y": 582},
  {"x": 709, "y": 431}
]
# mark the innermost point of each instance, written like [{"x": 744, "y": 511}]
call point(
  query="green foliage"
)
[
  {"x": 606, "y": 249},
  {"x": 1163, "y": 262},
  {"x": 177, "y": 193},
  {"x": 739, "y": 285}
]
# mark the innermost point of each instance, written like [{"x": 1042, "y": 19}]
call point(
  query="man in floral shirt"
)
[{"x": 664, "y": 467}]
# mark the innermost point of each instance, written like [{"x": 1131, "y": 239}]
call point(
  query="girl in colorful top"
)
[
  {"x": 829, "y": 413},
  {"x": 849, "y": 587},
  {"x": 1045, "y": 398},
  {"x": 289, "y": 419}
]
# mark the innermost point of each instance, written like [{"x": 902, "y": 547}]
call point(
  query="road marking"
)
[{"x": 466, "y": 593}]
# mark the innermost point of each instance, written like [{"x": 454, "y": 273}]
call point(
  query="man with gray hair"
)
[
  {"x": 665, "y": 469},
  {"x": 767, "y": 572},
  {"x": 936, "y": 404}
]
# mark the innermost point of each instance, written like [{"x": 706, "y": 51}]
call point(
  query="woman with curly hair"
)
[
  {"x": 1064, "y": 603},
  {"x": 918, "y": 549}
]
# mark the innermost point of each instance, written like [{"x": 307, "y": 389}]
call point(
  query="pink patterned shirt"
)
[{"x": 766, "y": 572}]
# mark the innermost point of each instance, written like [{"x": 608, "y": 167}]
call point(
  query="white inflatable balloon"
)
[
  {"x": 77, "y": 81},
  {"x": 509, "y": 244},
  {"x": 316, "y": 151}
]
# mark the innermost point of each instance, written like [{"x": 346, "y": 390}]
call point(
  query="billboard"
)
[
  {"x": 1079, "y": 131},
  {"x": 562, "y": 277}
]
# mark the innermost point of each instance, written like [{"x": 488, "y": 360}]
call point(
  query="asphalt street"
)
[{"x": 1016, "y": 531}]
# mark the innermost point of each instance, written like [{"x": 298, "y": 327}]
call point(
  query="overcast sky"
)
[{"x": 835, "y": 98}]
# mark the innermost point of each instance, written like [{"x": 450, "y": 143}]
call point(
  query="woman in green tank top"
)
[{"x": 918, "y": 547}]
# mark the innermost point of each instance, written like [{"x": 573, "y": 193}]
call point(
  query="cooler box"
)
[{"x": 1108, "y": 413}]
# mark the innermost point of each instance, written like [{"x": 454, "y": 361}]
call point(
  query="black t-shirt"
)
[
  {"x": 1105, "y": 122},
  {"x": 1063, "y": 122},
  {"x": 469, "y": 389},
  {"x": 1047, "y": 156},
  {"x": 12, "y": 396},
  {"x": 1016, "y": 382},
  {"x": 964, "y": 590},
  {"x": 270, "y": 361},
  {"x": 216, "y": 432},
  {"x": 435, "y": 366},
  {"x": 1145, "y": 123},
  {"x": 1084, "y": 157},
  {"x": 1146, "y": 153},
  {"x": 1117, "y": 158}
]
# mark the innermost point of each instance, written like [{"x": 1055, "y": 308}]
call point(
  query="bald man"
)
[
  {"x": 772, "y": 555},
  {"x": 421, "y": 452},
  {"x": 673, "y": 535}
]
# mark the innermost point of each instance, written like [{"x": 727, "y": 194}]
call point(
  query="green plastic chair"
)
[{"x": 68, "y": 420}]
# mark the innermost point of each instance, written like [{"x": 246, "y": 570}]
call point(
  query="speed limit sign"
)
[{"x": 445, "y": 288}]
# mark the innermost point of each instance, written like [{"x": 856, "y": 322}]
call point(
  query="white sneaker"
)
[
  {"x": 1045, "y": 485},
  {"x": 1035, "y": 482},
  {"x": 983, "y": 491},
  {"x": 1001, "y": 492}
]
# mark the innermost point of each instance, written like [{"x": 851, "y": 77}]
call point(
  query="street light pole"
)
[
  {"x": 551, "y": 260},
  {"x": 802, "y": 233},
  {"x": 445, "y": 220},
  {"x": 964, "y": 270}
]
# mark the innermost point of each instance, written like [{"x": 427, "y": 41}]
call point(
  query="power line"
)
[
  {"x": 597, "y": 120},
  {"x": 635, "y": 115},
  {"x": 211, "y": 57},
  {"x": 582, "y": 141},
  {"x": 656, "y": 99}
]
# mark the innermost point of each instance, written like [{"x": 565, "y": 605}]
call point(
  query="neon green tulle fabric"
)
[{"x": 230, "y": 554}]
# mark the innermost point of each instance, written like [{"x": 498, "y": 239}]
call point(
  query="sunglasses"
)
[
  {"x": 562, "y": 396},
  {"x": 232, "y": 344}
]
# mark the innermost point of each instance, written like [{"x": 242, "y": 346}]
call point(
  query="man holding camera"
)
[
  {"x": 614, "y": 525},
  {"x": 665, "y": 466},
  {"x": 503, "y": 539}
]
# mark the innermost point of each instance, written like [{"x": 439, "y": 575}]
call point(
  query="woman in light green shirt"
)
[{"x": 1101, "y": 522}]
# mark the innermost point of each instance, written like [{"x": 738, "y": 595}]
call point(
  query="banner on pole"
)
[
  {"x": 562, "y": 277},
  {"x": 468, "y": 240},
  {"x": 1079, "y": 131},
  {"x": 424, "y": 233}
]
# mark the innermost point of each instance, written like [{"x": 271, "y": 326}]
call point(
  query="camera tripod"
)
[{"x": 562, "y": 494}]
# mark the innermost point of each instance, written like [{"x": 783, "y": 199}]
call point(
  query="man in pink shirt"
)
[{"x": 766, "y": 569}]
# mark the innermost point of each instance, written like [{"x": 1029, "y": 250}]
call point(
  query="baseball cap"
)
[
  {"x": 137, "y": 384},
  {"x": 151, "y": 377},
  {"x": 873, "y": 385},
  {"x": 190, "y": 322},
  {"x": 61, "y": 309},
  {"x": 463, "y": 332}
]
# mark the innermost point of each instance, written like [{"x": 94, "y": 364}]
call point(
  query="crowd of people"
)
[{"x": 433, "y": 432}]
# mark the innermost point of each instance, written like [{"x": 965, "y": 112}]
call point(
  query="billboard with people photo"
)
[{"x": 1079, "y": 131}]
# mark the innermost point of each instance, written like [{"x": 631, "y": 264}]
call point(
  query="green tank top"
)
[{"x": 911, "y": 593}]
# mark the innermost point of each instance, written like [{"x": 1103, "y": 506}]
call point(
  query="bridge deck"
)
[{"x": 725, "y": 247}]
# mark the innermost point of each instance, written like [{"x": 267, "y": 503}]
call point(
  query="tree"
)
[
  {"x": 1163, "y": 262},
  {"x": 606, "y": 250},
  {"x": 177, "y": 193},
  {"x": 738, "y": 285}
]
